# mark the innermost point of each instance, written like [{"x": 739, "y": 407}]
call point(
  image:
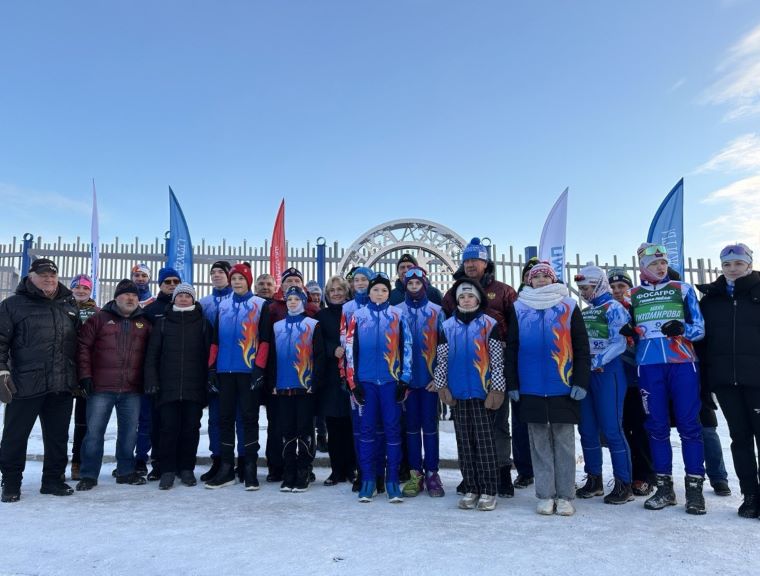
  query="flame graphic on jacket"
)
[
  {"x": 249, "y": 342},
  {"x": 302, "y": 363},
  {"x": 429, "y": 340},
  {"x": 681, "y": 348},
  {"x": 564, "y": 348},
  {"x": 391, "y": 347},
  {"x": 481, "y": 360}
]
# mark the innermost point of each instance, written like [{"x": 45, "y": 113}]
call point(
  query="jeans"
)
[
  {"x": 552, "y": 450},
  {"x": 714, "y": 465},
  {"x": 99, "y": 408}
]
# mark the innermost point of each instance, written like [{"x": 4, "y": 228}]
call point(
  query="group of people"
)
[{"x": 372, "y": 361}]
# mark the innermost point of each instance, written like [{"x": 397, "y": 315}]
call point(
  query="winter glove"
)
[
  {"x": 673, "y": 328},
  {"x": 494, "y": 400},
  {"x": 85, "y": 385},
  {"x": 358, "y": 393},
  {"x": 213, "y": 382},
  {"x": 628, "y": 330},
  {"x": 514, "y": 395},
  {"x": 577, "y": 393},
  {"x": 344, "y": 384},
  {"x": 7, "y": 388},
  {"x": 151, "y": 389},
  {"x": 401, "y": 388},
  {"x": 257, "y": 380},
  {"x": 444, "y": 394}
]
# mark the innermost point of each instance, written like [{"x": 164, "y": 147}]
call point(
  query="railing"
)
[{"x": 118, "y": 257}]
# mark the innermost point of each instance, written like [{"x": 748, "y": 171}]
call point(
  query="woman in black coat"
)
[
  {"x": 176, "y": 373},
  {"x": 333, "y": 399},
  {"x": 730, "y": 358}
]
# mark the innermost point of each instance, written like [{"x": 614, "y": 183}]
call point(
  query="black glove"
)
[
  {"x": 257, "y": 379},
  {"x": 85, "y": 385},
  {"x": 358, "y": 393},
  {"x": 628, "y": 330},
  {"x": 7, "y": 389},
  {"x": 213, "y": 382},
  {"x": 151, "y": 389},
  {"x": 673, "y": 328},
  {"x": 401, "y": 388},
  {"x": 344, "y": 384}
]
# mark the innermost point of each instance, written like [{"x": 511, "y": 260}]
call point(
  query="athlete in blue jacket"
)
[{"x": 378, "y": 368}]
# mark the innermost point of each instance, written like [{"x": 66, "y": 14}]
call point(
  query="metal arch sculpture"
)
[{"x": 423, "y": 235}]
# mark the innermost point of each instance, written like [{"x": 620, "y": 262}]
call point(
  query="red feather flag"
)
[{"x": 277, "y": 249}]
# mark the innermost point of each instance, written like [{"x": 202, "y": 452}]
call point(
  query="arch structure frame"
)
[{"x": 438, "y": 248}]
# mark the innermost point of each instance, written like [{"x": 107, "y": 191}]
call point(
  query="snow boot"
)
[
  {"x": 216, "y": 462},
  {"x": 695, "y": 500},
  {"x": 167, "y": 481},
  {"x": 414, "y": 485},
  {"x": 250, "y": 476},
  {"x": 367, "y": 492},
  {"x": 86, "y": 484},
  {"x": 750, "y": 508},
  {"x": 506, "y": 488},
  {"x": 665, "y": 496},
  {"x": 621, "y": 493},
  {"x": 641, "y": 488},
  {"x": 187, "y": 477},
  {"x": 594, "y": 486},
  {"x": 133, "y": 479},
  {"x": 56, "y": 489},
  {"x": 721, "y": 488},
  {"x": 11, "y": 492},
  {"x": 224, "y": 477},
  {"x": 433, "y": 485}
]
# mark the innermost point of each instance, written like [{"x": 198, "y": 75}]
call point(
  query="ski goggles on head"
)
[
  {"x": 381, "y": 275},
  {"x": 737, "y": 249},
  {"x": 657, "y": 250},
  {"x": 414, "y": 273}
]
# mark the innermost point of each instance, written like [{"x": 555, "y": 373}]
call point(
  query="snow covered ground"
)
[{"x": 325, "y": 531}]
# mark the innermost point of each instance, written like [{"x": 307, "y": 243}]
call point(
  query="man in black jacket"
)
[{"x": 38, "y": 343}]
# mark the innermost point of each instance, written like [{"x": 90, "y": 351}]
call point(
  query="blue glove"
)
[
  {"x": 577, "y": 393},
  {"x": 514, "y": 395}
]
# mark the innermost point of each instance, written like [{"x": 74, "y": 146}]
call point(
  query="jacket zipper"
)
[
  {"x": 733, "y": 339},
  {"x": 181, "y": 356}
]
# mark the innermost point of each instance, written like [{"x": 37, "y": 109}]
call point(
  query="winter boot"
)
[
  {"x": 240, "y": 470},
  {"x": 433, "y": 485},
  {"x": 621, "y": 493},
  {"x": 141, "y": 467},
  {"x": 594, "y": 486},
  {"x": 11, "y": 492},
  {"x": 523, "y": 481},
  {"x": 167, "y": 481},
  {"x": 414, "y": 485},
  {"x": 641, "y": 488},
  {"x": 155, "y": 473},
  {"x": 695, "y": 500},
  {"x": 486, "y": 503},
  {"x": 216, "y": 462},
  {"x": 56, "y": 489},
  {"x": 506, "y": 488},
  {"x": 302, "y": 480},
  {"x": 665, "y": 496},
  {"x": 250, "y": 476},
  {"x": 224, "y": 477},
  {"x": 187, "y": 477},
  {"x": 721, "y": 488},
  {"x": 750, "y": 508},
  {"x": 395, "y": 496},
  {"x": 86, "y": 484},
  {"x": 469, "y": 501},
  {"x": 564, "y": 507},
  {"x": 367, "y": 492},
  {"x": 133, "y": 479}
]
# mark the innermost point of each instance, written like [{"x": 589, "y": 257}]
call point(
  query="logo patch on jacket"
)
[
  {"x": 110, "y": 322},
  {"x": 139, "y": 324},
  {"x": 491, "y": 295}
]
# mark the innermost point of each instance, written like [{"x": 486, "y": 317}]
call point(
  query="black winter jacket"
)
[
  {"x": 730, "y": 351},
  {"x": 332, "y": 399},
  {"x": 176, "y": 360},
  {"x": 38, "y": 340}
]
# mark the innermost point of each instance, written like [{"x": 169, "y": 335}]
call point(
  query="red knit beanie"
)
[{"x": 244, "y": 270}]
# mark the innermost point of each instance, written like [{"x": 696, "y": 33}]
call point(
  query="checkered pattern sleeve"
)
[
  {"x": 496, "y": 352},
  {"x": 442, "y": 367}
]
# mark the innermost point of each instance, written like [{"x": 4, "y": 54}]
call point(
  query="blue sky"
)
[{"x": 472, "y": 114}]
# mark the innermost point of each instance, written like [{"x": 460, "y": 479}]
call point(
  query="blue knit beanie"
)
[
  {"x": 167, "y": 272},
  {"x": 475, "y": 250}
]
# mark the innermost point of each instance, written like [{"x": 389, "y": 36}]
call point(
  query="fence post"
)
[
  {"x": 321, "y": 245},
  {"x": 701, "y": 270},
  {"x": 26, "y": 258}
]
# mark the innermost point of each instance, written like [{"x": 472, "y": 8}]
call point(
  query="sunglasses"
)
[
  {"x": 172, "y": 281},
  {"x": 414, "y": 273},
  {"x": 735, "y": 249},
  {"x": 657, "y": 250}
]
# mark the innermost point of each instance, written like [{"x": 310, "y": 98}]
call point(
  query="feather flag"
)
[
  {"x": 667, "y": 227},
  {"x": 277, "y": 248},
  {"x": 551, "y": 248},
  {"x": 94, "y": 244},
  {"x": 180, "y": 250}
]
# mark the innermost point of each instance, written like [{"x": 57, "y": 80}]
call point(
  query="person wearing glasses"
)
[
  {"x": 378, "y": 370},
  {"x": 730, "y": 356},
  {"x": 149, "y": 429},
  {"x": 666, "y": 321},
  {"x": 602, "y": 408},
  {"x": 425, "y": 321}
]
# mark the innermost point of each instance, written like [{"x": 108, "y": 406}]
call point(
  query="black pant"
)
[
  {"x": 54, "y": 411},
  {"x": 155, "y": 432},
  {"x": 741, "y": 407},
  {"x": 180, "y": 434},
  {"x": 636, "y": 436},
  {"x": 80, "y": 428},
  {"x": 520, "y": 443},
  {"x": 340, "y": 446},
  {"x": 295, "y": 414},
  {"x": 501, "y": 437},
  {"x": 274, "y": 434},
  {"x": 235, "y": 390}
]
